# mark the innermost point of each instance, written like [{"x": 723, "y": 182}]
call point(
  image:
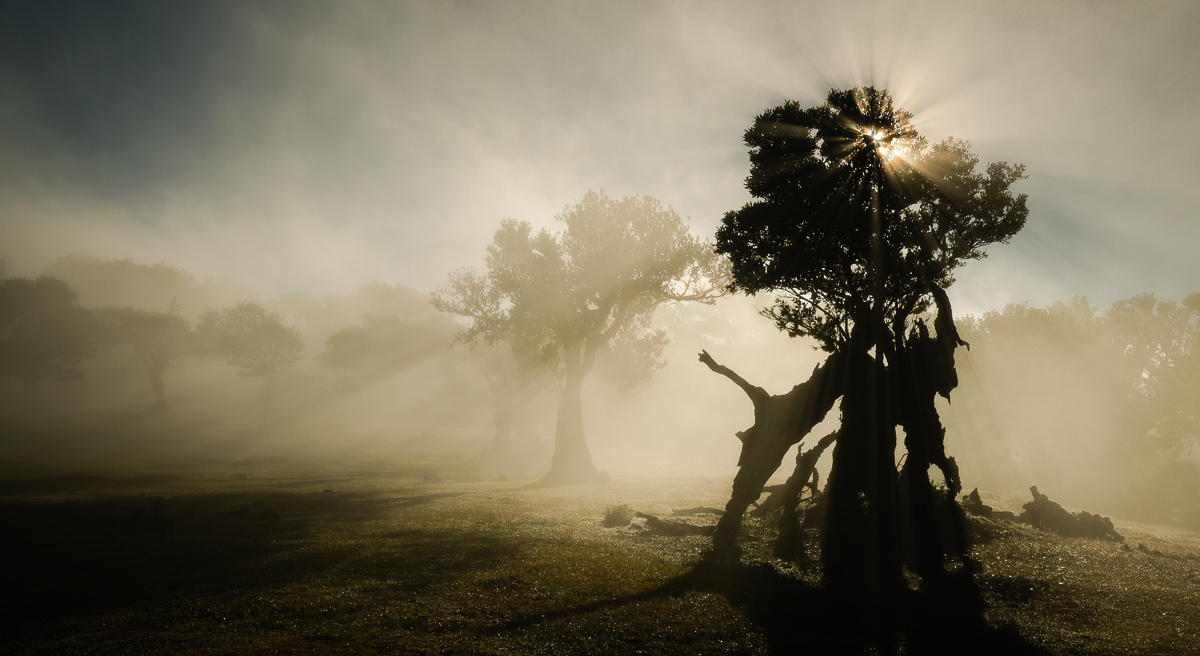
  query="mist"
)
[
  {"x": 242, "y": 237},
  {"x": 290, "y": 154}
]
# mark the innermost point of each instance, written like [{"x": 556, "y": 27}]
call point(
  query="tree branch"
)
[{"x": 757, "y": 394}]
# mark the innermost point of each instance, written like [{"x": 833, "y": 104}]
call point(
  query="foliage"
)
[
  {"x": 252, "y": 339},
  {"x": 618, "y": 515},
  {"x": 1141, "y": 357},
  {"x": 384, "y": 341},
  {"x": 121, "y": 283},
  {"x": 156, "y": 337},
  {"x": 1159, "y": 342},
  {"x": 633, "y": 357},
  {"x": 44, "y": 333},
  {"x": 611, "y": 266},
  {"x": 398, "y": 327},
  {"x": 853, "y": 210}
]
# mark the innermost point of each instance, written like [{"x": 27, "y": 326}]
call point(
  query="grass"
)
[{"x": 382, "y": 557}]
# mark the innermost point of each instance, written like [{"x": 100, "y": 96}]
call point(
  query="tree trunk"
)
[
  {"x": 788, "y": 542},
  {"x": 269, "y": 392},
  {"x": 924, "y": 367},
  {"x": 572, "y": 461},
  {"x": 160, "y": 389},
  {"x": 860, "y": 548},
  {"x": 779, "y": 422}
]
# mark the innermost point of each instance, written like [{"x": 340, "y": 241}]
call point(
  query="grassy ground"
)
[{"x": 379, "y": 556}]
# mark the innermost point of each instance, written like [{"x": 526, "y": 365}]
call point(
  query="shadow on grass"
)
[
  {"x": 796, "y": 617},
  {"x": 73, "y": 562}
]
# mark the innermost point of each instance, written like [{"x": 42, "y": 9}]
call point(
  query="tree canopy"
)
[
  {"x": 44, "y": 333},
  {"x": 853, "y": 209},
  {"x": 252, "y": 339}
]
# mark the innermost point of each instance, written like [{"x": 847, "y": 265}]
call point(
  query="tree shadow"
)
[
  {"x": 73, "y": 561},
  {"x": 797, "y": 617}
]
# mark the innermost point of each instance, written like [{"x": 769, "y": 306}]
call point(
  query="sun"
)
[{"x": 893, "y": 149}]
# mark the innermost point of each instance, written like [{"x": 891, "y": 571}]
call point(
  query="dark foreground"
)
[{"x": 107, "y": 556}]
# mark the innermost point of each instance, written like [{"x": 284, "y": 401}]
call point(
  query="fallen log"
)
[{"x": 674, "y": 529}]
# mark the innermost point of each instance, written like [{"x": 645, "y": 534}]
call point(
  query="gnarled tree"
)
[{"x": 857, "y": 227}]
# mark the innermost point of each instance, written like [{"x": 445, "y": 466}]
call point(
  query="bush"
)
[{"x": 620, "y": 515}]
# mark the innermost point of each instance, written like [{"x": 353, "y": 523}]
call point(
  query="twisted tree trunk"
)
[{"x": 779, "y": 423}]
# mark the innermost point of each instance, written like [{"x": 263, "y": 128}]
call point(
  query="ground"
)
[{"x": 106, "y": 554}]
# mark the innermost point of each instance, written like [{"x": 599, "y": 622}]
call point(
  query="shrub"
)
[{"x": 620, "y": 515}]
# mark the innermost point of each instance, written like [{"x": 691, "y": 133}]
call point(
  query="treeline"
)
[
  {"x": 91, "y": 343},
  {"x": 96, "y": 337},
  {"x": 1104, "y": 404}
]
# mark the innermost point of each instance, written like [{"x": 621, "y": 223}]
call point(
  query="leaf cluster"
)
[
  {"x": 251, "y": 338},
  {"x": 854, "y": 210}
]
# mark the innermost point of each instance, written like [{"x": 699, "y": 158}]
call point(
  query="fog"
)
[{"x": 337, "y": 161}]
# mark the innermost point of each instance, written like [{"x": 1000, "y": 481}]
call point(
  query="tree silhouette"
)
[
  {"x": 857, "y": 227},
  {"x": 44, "y": 334},
  {"x": 569, "y": 294},
  {"x": 252, "y": 339},
  {"x": 157, "y": 338}
]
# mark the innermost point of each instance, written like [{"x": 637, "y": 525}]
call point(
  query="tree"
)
[
  {"x": 570, "y": 294},
  {"x": 157, "y": 338},
  {"x": 1103, "y": 403},
  {"x": 386, "y": 341},
  {"x": 252, "y": 339},
  {"x": 857, "y": 227},
  {"x": 1158, "y": 342},
  {"x": 44, "y": 333}
]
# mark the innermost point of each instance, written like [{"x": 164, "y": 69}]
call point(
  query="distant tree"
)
[
  {"x": 126, "y": 283},
  {"x": 1106, "y": 403},
  {"x": 44, "y": 333},
  {"x": 1140, "y": 356},
  {"x": 156, "y": 338},
  {"x": 857, "y": 227},
  {"x": 385, "y": 342},
  {"x": 397, "y": 327},
  {"x": 569, "y": 294},
  {"x": 1159, "y": 345},
  {"x": 252, "y": 339}
]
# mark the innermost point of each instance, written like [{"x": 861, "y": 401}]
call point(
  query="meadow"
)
[{"x": 111, "y": 554}]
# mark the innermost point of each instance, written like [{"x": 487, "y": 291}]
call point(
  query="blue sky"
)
[{"x": 316, "y": 146}]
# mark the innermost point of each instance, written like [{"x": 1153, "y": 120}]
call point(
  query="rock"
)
[{"x": 1044, "y": 514}]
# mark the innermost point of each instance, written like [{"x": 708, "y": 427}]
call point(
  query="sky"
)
[{"x": 304, "y": 146}]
